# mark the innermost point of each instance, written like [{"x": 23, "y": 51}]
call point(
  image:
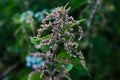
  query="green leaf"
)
[
  {"x": 68, "y": 67},
  {"x": 66, "y": 5},
  {"x": 24, "y": 72},
  {"x": 36, "y": 42},
  {"x": 82, "y": 20},
  {"x": 63, "y": 55},
  {"x": 74, "y": 64},
  {"x": 36, "y": 76},
  {"x": 32, "y": 39},
  {"x": 16, "y": 18},
  {"x": 77, "y": 3},
  {"x": 45, "y": 37},
  {"x": 45, "y": 48},
  {"x": 79, "y": 66}
]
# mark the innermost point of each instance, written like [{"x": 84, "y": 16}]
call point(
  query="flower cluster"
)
[{"x": 62, "y": 33}]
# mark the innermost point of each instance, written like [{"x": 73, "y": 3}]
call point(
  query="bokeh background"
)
[{"x": 100, "y": 44}]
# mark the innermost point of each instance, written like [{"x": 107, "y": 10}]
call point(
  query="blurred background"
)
[{"x": 100, "y": 44}]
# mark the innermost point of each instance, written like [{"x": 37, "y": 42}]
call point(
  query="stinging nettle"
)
[{"x": 64, "y": 32}]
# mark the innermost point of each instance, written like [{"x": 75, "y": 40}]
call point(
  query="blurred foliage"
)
[{"x": 102, "y": 52}]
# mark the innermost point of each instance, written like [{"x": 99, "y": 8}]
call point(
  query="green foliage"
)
[
  {"x": 35, "y": 76},
  {"x": 74, "y": 66},
  {"x": 37, "y": 42},
  {"x": 24, "y": 72},
  {"x": 69, "y": 67}
]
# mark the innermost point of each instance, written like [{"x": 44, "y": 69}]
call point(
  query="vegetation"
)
[{"x": 20, "y": 21}]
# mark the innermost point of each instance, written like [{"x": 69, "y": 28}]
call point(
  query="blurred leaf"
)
[
  {"x": 36, "y": 76},
  {"x": 23, "y": 74},
  {"x": 77, "y": 3},
  {"x": 16, "y": 18},
  {"x": 99, "y": 48}
]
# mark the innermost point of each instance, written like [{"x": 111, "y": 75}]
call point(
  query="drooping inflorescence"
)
[{"x": 62, "y": 34}]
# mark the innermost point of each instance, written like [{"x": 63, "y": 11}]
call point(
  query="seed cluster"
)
[{"x": 62, "y": 32}]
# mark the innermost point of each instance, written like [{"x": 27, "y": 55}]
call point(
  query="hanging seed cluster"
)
[{"x": 62, "y": 31}]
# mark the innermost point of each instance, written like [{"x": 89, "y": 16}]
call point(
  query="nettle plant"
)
[{"x": 58, "y": 42}]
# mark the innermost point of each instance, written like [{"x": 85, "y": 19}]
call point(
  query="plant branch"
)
[{"x": 90, "y": 22}]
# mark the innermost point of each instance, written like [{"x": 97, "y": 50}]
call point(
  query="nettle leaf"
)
[
  {"x": 33, "y": 41},
  {"x": 73, "y": 65},
  {"x": 63, "y": 55},
  {"x": 45, "y": 48},
  {"x": 79, "y": 67},
  {"x": 44, "y": 37},
  {"x": 77, "y": 74},
  {"x": 37, "y": 41}
]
